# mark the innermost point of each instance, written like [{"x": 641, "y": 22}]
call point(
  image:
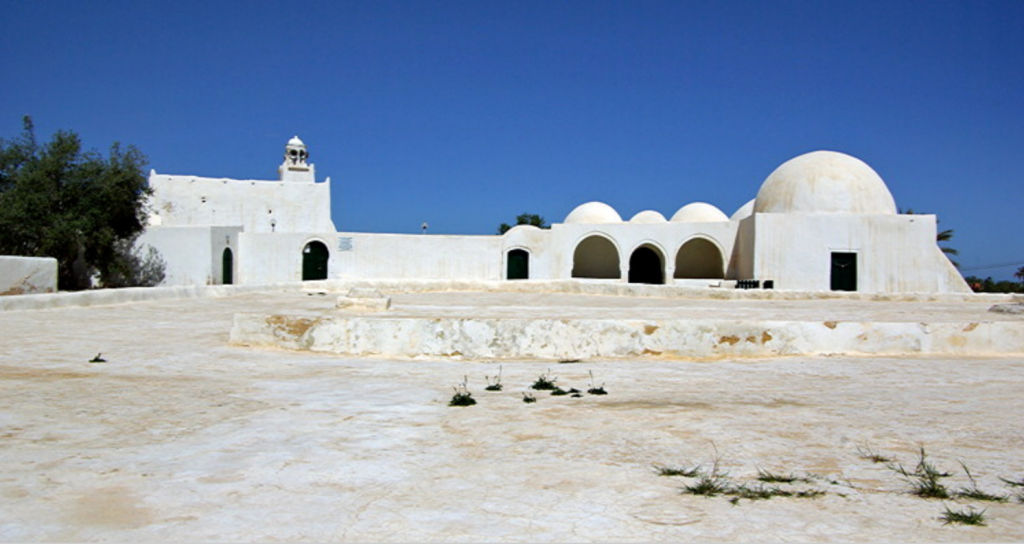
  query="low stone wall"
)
[
  {"x": 100, "y": 297},
  {"x": 27, "y": 275},
  {"x": 559, "y": 339}
]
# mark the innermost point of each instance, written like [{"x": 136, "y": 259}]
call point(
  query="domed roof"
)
[
  {"x": 648, "y": 216},
  {"x": 295, "y": 141},
  {"x": 824, "y": 182},
  {"x": 699, "y": 212},
  {"x": 744, "y": 212},
  {"x": 593, "y": 212}
]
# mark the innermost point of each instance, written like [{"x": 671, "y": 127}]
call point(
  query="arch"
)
[
  {"x": 517, "y": 265},
  {"x": 699, "y": 258},
  {"x": 647, "y": 265},
  {"x": 314, "y": 261},
  {"x": 596, "y": 257},
  {"x": 227, "y": 264}
]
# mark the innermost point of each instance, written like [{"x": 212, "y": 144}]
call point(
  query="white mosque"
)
[{"x": 823, "y": 221}]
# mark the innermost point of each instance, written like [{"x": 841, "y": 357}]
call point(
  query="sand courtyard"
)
[{"x": 181, "y": 435}]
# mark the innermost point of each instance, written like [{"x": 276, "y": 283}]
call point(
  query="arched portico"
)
[
  {"x": 699, "y": 258},
  {"x": 596, "y": 257},
  {"x": 647, "y": 265}
]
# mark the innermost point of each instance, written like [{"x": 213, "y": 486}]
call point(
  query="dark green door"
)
[
  {"x": 518, "y": 265},
  {"x": 314, "y": 261},
  {"x": 844, "y": 271},
  {"x": 227, "y": 264}
]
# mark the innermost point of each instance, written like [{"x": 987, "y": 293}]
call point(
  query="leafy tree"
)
[
  {"x": 78, "y": 207},
  {"x": 1019, "y": 274},
  {"x": 525, "y": 219}
]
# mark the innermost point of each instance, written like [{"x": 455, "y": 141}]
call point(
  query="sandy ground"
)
[{"x": 180, "y": 436}]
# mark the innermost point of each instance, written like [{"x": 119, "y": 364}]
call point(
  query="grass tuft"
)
[
  {"x": 691, "y": 472},
  {"x": 544, "y": 383},
  {"x": 772, "y": 478},
  {"x": 595, "y": 390},
  {"x": 528, "y": 398},
  {"x": 462, "y": 395},
  {"x": 963, "y": 517},
  {"x": 924, "y": 480},
  {"x": 496, "y": 386},
  {"x": 975, "y": 492},
  {"x": 865, "y": 452}
]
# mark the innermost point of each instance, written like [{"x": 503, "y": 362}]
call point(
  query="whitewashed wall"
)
[
  {"x": 895, "y": 253},
  {"x": 27, "y": 275},
  {"x": 257, "y": 206}
]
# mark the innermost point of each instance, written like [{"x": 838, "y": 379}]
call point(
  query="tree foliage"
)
[
  {"x": 525, "y": 219},
  {"x": 82, "y": 208}
]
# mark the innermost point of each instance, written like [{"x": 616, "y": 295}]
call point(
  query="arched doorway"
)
[
  {"x": 518, "y": 267},
  {"x": 227, "y": 265},
  {"x": 646, "y": 266},
  {"x": 314, "y": 261},
  {"x": 700, "y": 258},
  {"x": 596, "y": 257}
]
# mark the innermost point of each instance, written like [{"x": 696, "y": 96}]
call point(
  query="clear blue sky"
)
[{"x": 465, "y": 114}]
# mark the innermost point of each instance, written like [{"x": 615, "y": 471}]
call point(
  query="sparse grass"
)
[
  {"x": 496, "y": 386},
  {"x": 98, "y": 359},
  {"x": 691, "y": 472},
  {"x": 865, "y": 452},
  {"x": 595, "y": 390},
  {"x": 924, "y": 480},
  {"x": 772, "y": 478},
  {"x": 528, "y": 398},
  {"x": 963, "y": 517},
  {"x": 567, "y": 361},
  {"x": 462, "y": 395},
  {"x": 974, "y": 492},
  {"x": 707, "y": 486},
  {"x": 558, "y": 392},
  {"x": 544, "y": 382}
]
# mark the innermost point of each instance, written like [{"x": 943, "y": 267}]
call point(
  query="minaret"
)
[{"x": 294, "y": 167}]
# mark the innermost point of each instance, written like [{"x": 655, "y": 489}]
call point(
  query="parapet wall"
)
[{"x": 27, "y": 275}]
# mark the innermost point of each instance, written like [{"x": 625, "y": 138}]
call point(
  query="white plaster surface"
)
[
  {"x": 180, "y": 436},
  {"x": 559, "y": 326},
  {"x": 27, "y": 275}
]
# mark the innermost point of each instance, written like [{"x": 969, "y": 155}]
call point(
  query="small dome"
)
[
  {"x": 699, "y": 212},
  {"x": 593, "y": 212},
  {"x": 648, "y": 216},
  {"x": 295, "y": 141},
  {"x": 744, "y": 212},
  {"x": 824, "y": 182}
]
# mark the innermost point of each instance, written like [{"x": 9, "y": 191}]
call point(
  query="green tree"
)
[
  {"x": 79, "y": 207},
  {"x": 1019, "y": 274},
  {"x": 525, "y": 219}
]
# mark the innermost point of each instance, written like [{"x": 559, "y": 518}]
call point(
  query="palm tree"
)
[{"x": 1019, "y": 274}]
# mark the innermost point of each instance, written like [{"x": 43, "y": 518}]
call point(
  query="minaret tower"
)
[{"x": 294, "y": 167}]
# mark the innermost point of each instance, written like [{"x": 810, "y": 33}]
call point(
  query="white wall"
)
[
  {"x": 271, "y": 258},
  {"x": 27, "y": 275},
  {"x": 257, "y": 206},
  {"x": 895, "y": 253},
  {"x": 187, "y": 251}
]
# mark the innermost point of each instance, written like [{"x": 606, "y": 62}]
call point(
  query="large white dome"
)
[
  {"x": 648, "y": 216},
  {"x": 593, "y": 212},
  {"x": 699, "y": 212},
  {"x": 824, "y": 182}
]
